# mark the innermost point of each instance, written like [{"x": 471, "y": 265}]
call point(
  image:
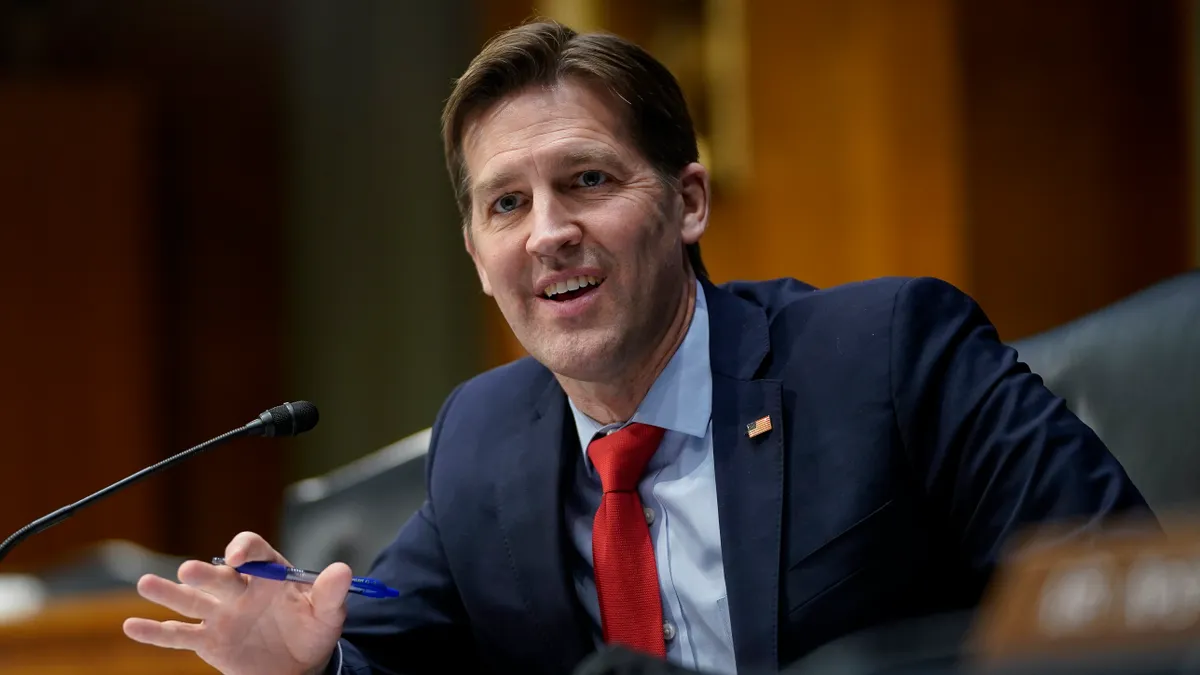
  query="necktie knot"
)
[{"x": 621, "y": 457}]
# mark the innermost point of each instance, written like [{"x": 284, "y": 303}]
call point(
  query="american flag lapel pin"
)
[{"x": 759, "y": 426}]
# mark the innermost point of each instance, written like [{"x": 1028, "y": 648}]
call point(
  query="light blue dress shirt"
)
[{"x": 679, "y": 493}]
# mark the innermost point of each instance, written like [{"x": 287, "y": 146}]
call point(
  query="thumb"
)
[{"x": 330, "y": 589}]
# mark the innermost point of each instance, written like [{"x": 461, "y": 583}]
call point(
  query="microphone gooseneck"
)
[{"x": 288, "y": 419}]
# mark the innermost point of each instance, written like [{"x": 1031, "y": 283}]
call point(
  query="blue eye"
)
[
  {"x": 506, "y": 203},
  {"x": 592, "y": 178}
]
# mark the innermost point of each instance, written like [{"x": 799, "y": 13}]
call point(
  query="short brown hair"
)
[{"x": 546, "y": 52}]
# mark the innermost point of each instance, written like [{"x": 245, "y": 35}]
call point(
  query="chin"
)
[{"x": 587, "y": 358}]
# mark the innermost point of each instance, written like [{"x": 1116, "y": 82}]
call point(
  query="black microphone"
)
[{"x": 288, "y": 419}]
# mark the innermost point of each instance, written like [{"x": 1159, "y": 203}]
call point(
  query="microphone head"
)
[{"x": 288, "y": 419}]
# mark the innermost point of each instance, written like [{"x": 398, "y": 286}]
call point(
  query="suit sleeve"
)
[
  {"x": 996, "y": 449},
  {"x": 425, "y": 629}
]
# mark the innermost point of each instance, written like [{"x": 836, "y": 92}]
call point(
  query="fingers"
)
[
  {"x": 329, "y": 592},
  {"x": 248, "y": 546},
  {"x": 223, "y": 583},
  {"x": 168, "y": 634},
  {"x": 189, "y": 602}
]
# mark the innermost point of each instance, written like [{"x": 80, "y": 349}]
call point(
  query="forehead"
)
[{"x": 563, "y": 118}]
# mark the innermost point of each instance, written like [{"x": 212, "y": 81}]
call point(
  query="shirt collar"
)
[{"x": 681, "y": 398}]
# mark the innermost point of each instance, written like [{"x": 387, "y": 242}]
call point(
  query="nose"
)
[{"x": 554, "y": 228}]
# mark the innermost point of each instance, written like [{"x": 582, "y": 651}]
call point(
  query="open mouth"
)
[{"x": 570, "y": 289}]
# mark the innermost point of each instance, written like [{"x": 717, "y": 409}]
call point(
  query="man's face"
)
[{"x": 573, "y": 233}]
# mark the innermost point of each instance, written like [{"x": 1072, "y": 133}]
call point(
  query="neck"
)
[{"x": 617, "y": 399}]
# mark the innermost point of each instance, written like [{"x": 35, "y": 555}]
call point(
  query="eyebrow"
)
[
  {"x": 493, "y": 183},
  {"x": 571, "y": 158},
  {"x": 585, "y": 156}
]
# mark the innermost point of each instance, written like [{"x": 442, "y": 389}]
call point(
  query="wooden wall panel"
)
[
  {"x": 211, "y": 291},
  {"x": 1034, "y": 154},
  {"x": 221, "y": 162},
  {"x": 1076, "y": 154},
  {"x": 855, "y": 163},
  {"x": 78, "y": 346}
]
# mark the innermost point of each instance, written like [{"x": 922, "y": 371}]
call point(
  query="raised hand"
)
[{"x": 247, "y": 626}]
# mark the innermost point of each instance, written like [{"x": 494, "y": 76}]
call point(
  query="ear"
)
[
  {"x": 470, "y": 246},
  {"x": 694, "y": 191}
]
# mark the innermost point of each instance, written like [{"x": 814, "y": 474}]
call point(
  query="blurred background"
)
[{"x": 208, "y": 207}]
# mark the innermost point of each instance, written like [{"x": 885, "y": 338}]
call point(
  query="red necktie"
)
[{"x": 622, "y": 555}]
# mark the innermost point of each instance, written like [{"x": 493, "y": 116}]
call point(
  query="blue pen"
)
[{"x": 363, "y": 586}]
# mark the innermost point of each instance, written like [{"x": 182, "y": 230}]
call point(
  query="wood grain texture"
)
[
  {"x": 84, "y": 636},
  {"x": 153, "y": 280},
  {"x": 1076, "y": 155},
  {"x": 78, "y": 346},
  {"x": 1035, "y": 156}
]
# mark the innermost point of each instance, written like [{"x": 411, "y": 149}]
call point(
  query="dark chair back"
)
[
  {"x": 1131, "y": 372},
  {"x": 352, "y": 513}
]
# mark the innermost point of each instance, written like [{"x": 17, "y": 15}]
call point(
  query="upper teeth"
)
[{"x": 572, "y": 284}]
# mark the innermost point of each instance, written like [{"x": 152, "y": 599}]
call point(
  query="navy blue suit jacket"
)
[{"x": 908, "y": 444}]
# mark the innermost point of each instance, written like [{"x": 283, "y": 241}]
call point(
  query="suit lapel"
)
[
  {"x": 749, "y": 475},
  {"x": 530, "y": 509}
]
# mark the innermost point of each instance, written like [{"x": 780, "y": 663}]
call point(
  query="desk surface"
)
[{"x": 84, "y": 636}]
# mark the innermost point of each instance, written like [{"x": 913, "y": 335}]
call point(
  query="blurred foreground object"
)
[
  {"x": 1127, "y": 601},
  {"x": 21, "y": 596}
]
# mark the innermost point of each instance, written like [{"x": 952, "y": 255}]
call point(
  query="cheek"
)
[
  {"x": 633, "y": 230},
  {"x": 504, "y": 264}
]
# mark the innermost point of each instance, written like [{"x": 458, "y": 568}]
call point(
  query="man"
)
[{"x": 726, "y": 477}]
